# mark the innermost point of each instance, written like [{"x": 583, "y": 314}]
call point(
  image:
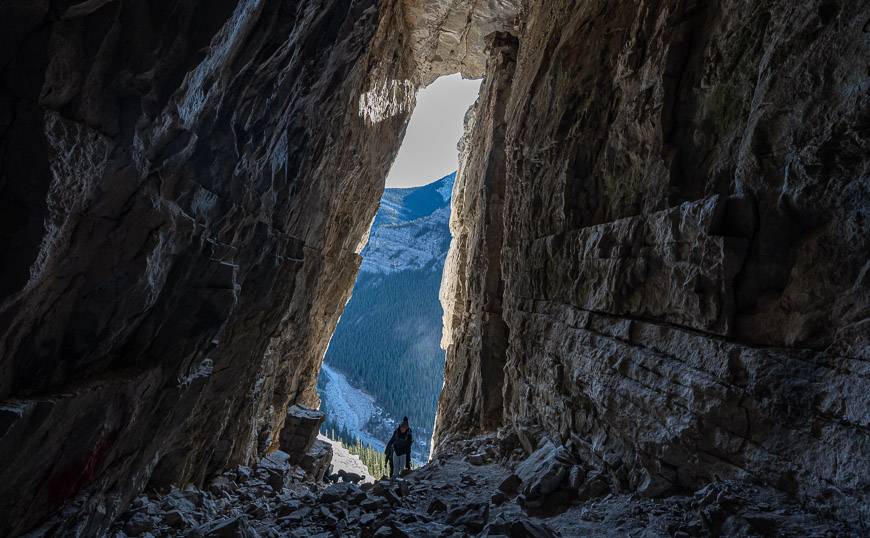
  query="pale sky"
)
[{"x": 428, "y": 151}]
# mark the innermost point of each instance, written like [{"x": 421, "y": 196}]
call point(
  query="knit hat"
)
[{"x": 405, "y": 421}]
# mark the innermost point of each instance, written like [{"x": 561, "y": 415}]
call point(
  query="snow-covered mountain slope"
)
[
  {"x": 409, "y": 230},
  {"x": 348, "y": 406}
]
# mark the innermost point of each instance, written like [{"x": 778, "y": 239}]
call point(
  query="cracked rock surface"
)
[
  {"x": 660, "y": 242},
  {"x": 185, "y": 187}
]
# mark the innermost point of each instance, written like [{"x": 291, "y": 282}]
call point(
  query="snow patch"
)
[
  {"x": 351, "y": 407},
  {"x": 407, "y": 245}
]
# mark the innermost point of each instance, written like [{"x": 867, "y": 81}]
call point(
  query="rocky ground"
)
[{"x": 486, "y": 487}]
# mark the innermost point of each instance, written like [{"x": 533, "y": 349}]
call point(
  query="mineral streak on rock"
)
[{"x": 676, "y": 274}]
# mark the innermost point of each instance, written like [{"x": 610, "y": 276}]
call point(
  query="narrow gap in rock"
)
[{"x": 385, "y": 361}]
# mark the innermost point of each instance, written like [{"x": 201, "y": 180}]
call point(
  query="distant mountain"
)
[
  {"x": 410, "y": 231},
  {"x": 387, "y": 341}
]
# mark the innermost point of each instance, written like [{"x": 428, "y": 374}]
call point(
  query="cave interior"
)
[{"x": 656, "y": 306}]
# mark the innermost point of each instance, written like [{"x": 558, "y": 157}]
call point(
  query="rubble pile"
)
[{"x": 481, "y": 489}]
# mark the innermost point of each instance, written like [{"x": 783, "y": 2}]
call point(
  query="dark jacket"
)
[{"x": 400, "y": 443}]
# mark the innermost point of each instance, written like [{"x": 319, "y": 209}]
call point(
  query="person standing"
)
[{"x": 398, "y": 451}]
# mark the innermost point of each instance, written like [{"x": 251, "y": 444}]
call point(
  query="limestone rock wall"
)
[
  {"x": 684, "y": 243},
  {"x": 185, "y": 186},
  {"x": 184, "y": 191}
]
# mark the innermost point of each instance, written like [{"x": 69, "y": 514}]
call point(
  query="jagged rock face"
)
[
  {"x": 299, "y": 432},
  {"x": 447, "y": 36},
  {"x": 680, "y": 241},
  {"x": 184, "y": 189}
]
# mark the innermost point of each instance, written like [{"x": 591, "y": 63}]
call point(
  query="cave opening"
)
[{"x": 385, "y": 361}]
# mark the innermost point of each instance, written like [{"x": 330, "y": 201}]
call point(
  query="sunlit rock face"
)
[
  {"x": 184, "y": 187},
  {"x": 447, "y": 36},
  {"x": 660, "y": 244}
]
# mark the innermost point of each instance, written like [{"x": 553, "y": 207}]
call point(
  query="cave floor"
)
[{"x": 453, "y": 496}]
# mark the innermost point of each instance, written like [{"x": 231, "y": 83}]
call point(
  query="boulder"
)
[
  {"x": 371, "y": 504},
  {"x": 368, "y": 519},
  {"x": 220, "y": 485},
  {"x": 257, "y": 509},
  {"x": 436, "y": 506},
  {"x": 338, "y": 491},
  {"x": 228, "y": 527},
  {"x": 176, "y": 519},
  {"x": 316, "y": 461},
  {"x": 498, "y": 498},
  {"x": 473, "y": 516},
  {"x": 477, "y": 458},
  {"x": 384, "y": 488},
  {"x": 288, "y": 507},
  {"x": 538, "y": 462},
  {"x": 327, "y": 514},
  {"x": 468, "y": 480},
  {"x": 296, "y": 516},
  {"x": 510, "y": 484},
  {"x": 299, "y": 433},
  {"x": 139, "y": 523},
  {"x": 356, "y": 495},
  {"x": 352, "y": 477},
  {"x": 277, "y": 480},
  {"x": 544, "y": 475},
  {"x": 595, "y": 486}
]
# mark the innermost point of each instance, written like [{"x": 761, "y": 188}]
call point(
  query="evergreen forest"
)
[{"x": 388, "y": 344}]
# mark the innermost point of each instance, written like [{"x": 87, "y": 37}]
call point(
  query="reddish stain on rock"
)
[{"x": 72, "y": 477}]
